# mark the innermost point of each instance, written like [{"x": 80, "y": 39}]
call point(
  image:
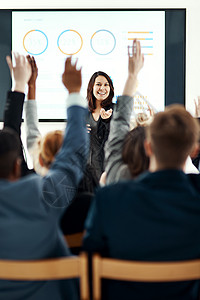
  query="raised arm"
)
[
  {"x": 15, "y": 99},
  {"x": 121, "y": 119},
  {"x": 60, "y": 184},
  {"x": 30, "y": 108},
  {"x": 21, "y": 73}
]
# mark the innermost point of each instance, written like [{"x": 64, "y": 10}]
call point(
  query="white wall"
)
[{"x": 192, "y": 24}]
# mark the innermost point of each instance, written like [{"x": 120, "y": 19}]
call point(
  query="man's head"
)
[
  {"x": 9, "y": 155},
  {"x": 171, "y": 137}
]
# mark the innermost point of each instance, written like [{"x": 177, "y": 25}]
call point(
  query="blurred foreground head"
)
[{"x": 172, "y": 135}]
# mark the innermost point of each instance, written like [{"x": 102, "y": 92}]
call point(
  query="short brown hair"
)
[
  {"x": 173, "y": 134},
  {"x": 90, "y": 96}
]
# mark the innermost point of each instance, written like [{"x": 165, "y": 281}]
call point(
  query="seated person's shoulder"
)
[
  {"x": 116, "y": 190},
  {"x": 195, "y": 180}
]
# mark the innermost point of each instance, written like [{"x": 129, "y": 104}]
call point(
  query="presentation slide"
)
[{"x": 99, "y": 39}]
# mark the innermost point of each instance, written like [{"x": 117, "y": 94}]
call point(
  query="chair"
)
[
  {"x": 48, "y": 269},
  {"x": 74, "y": 240},
  {"x": 141, "y": 271}
]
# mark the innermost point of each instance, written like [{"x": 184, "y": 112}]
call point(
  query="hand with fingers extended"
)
[
  {"x": 151, "y": 110},
  {"x": 34, "y": 69},
  {"x": 135, "y": 64},
  {"x": 32, "y": 80},
  {"x": 136, "y": 59},
  {"x": 72, "y": 78},
  {"x": 197, "y": 107},
  {"x": 106, "y": 114},
  {"x": 21, "y": 72}
]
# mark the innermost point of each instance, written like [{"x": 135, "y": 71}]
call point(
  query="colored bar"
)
[
  {"x": 140, "y": 32},
  {"x": 141, "y": 39}
]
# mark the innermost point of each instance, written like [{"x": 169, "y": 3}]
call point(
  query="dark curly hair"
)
[{"x": 90, "y": 96}]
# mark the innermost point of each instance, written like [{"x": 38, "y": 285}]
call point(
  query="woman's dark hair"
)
[
  {"x": 133, "y": 153},
  {"x": 90, "y": 96}
]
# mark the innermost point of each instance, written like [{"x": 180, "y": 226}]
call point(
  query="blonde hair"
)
[{"x": 49, "y": 145}]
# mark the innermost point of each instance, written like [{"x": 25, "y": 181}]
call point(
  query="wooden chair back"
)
[
  {"x": 48, "y": 269},
  {"x": 141, "y": 271}
]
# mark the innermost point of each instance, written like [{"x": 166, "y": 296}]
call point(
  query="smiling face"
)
[{"x": 101, "y": 88}]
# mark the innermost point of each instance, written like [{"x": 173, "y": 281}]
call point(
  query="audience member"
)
[
  {"x": 31, "y": 207},
  {"x": 43, "y": 150},
  {"x": 13, "y": 114},
  {"x": 155, "y": 217},
  {"x": 100, "y": 93},
  {"x": 124, "y": 151}
]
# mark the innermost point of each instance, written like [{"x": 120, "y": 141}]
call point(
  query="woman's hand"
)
[
  {"x": 88, "y": 127},
  {"x": 105, "y": 114}
]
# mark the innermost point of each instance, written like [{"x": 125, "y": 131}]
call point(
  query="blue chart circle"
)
[
  {"x": 112, "y": 36},
  {"x": 70, "y": 30},
  {"x": 46, "y": 41},
  {"x": 58, "y": 40},
  {"x": 44, "y": 36}
]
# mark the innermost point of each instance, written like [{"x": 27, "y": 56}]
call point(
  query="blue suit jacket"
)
[
  {"x": 30, "y": 211},
  {"x": 153, "y": 218}
]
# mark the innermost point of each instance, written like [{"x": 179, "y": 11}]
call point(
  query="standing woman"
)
[{"x": 100, "y": 93}]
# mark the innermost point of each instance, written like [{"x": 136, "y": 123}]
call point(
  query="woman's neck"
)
[{"x": 98, "y": 105}]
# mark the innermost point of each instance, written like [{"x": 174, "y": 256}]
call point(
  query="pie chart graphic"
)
[
  {"x": 35, "y": 42},
  {"x": 70, "y": 42},
  {"x": 103, "y": 42}
]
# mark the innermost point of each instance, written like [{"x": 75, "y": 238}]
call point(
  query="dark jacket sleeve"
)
[
  {"x": 13, "y": 111},
  {"x": 13, "y": 118}
]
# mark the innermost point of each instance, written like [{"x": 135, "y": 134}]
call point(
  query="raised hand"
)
[
  {"x": 136, "y": 59},
  {"x": 32, "y": 80},
  {"x": 197, "y": 107},
  {"x": 150, "y": 110},
  {"x": 105, "y": 114},
  {"x": 21, "y": 72},
  {"x": 135, "y": 64},
  {"x": 34, "y": 69},
  {"x": 72, "y": 78}
]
